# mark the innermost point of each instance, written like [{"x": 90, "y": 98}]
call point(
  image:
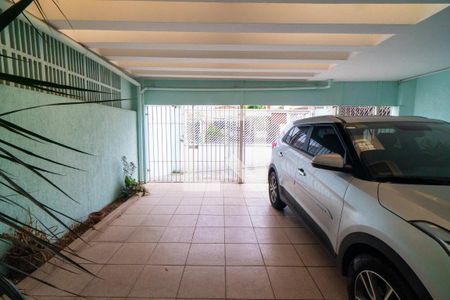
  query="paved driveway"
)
[{"x": 198, "y": 241}]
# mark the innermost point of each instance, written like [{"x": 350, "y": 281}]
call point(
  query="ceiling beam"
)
[
  {"x": 246, "y": 13},
  {"x": 230, "y": 27},
  {"x": 223, "y": 47},
  {"x": 280, "y": 55},
  {"x": 228, "y": 38}
]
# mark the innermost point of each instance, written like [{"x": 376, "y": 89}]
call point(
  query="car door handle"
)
[
  {"x": 280, "y": 154},
  {"x": 301, "y": 172}
]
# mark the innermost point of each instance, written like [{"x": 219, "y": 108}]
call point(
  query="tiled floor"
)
[{"x": 198, "y": 241}]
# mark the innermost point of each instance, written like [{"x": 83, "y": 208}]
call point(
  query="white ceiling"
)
[{"x": 267, "y": 39}]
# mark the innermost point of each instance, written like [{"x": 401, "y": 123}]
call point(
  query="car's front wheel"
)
[
  {"x": 274, "y": 192},
  {"x": 371, "y": 278}
]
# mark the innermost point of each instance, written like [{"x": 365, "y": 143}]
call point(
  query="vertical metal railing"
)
[{"x": 222, "y": 143}]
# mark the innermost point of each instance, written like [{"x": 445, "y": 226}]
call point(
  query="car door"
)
[
  {"x": 324, "y": 189},
  {"x": 295, "y": 159},
  {"x": 281, "y": 153}
]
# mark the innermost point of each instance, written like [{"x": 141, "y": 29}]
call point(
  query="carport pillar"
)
[
  {"x": 142, "y": 172},
  {"x": 241, "y": 168}
]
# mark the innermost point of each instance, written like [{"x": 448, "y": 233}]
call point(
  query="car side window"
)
[
  {"x": 290, "y": 135},
  {"x": 324, "y": 140},
  {"x": 300, "y": 139}
]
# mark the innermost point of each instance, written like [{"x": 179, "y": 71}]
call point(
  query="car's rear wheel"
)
[
  {"x": 370, "y": 278},
  {"x": 274, "y": 192}
]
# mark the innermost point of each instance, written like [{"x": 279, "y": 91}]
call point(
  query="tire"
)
[
  {"x": 274, "y": 192},
  {"x": 379, "y": 275}
]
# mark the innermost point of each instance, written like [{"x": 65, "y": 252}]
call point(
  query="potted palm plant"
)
[{"x": 31, "y": 245}]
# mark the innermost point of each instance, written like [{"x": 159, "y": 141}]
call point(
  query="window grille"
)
[
  {"x": 37, "y": 55},
  {"x": 363, "y": 111}
]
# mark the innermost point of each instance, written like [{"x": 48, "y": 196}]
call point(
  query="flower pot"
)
[{"x": 97, "y": 216}]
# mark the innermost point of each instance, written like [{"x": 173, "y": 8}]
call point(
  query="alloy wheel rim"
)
[
  {"x": 370, "y": 285},
  {"x": 273, "y": 188}
]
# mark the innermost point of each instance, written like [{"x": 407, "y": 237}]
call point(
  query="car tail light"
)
[{"x": 274, "y": 144}]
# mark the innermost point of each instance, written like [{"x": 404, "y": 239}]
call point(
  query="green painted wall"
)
[
  {"x": 339, "y": 93},
  {"x": 104, "y": 131},
  {"x": 429, "y": 96}
]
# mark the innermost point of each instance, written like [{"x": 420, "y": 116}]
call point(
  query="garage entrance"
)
[{"x": 223, "y": 143}]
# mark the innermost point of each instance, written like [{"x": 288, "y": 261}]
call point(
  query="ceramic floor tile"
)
[
  {"x": 177, "y": 235},
  {"x": 133, "y": 254},
  {"x": 213, "y": 201},
  {"x": 188, "y": 210},
  {"x": 210, "y": 221},
  {"x": 183, "y": 221},
  {"x": 331, "y": 283},
  {"x": 158, "y": 281},
  {"x": 192, "y": 201},
  {"x": 70, "y": 279},
  {"x": 257, "y": 202},
  {"x": 169, "y": 254},
  {"x": 113, "y": 281},
  {"x": 243, "y": 254},
  {"x": 96, "y": 252},
  {"x": 156, "y": 220},
  {"x": 129, "y": 220},
  {"x": 235, "y": 210},
  {"x": 280, "y": 255},
  {"x": 248, "y": 283},
  {"x": 114, "y": 234},
  {"x": 209, "y": 235},
  {"x": 138, "y": 210},
  {"x": 265, "y": 221},
  {"x": 235, "y": 235},
  {"x": 263, "y": 211},
  {"x": 290, "y": 221},
  {"x": 238, "y": 221},
  {"x": 146, "y": 235},
  {"x": 202, "y": 282},
  {"x": 293, "y": 283},
  {"x": 300, "y": 236},
  {"x": 163, "y": 210},
  {"x": 206, "y": 254},
  {"x": 171, "y": 201},
  {"x": 315, "y": 256},
  {"x": 234, "y": 201},
  {"x": 216, "y": 210},
  {"x": 271, "y": 236}
]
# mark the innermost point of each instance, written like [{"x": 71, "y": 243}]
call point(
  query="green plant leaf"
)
[
  {"x": 15, "y": 187},
  {"x": 62, "y": 104},
  {"x": 38, "y": 156},
  {"x": 6, "y": 124},
  {"x": 38, "y": 173},
  {"x": 38, "y": 83},
  {"x": 38, "y": 279},
  {"x": 13, "y": 12},
  {"x": 19, "y": 226}
]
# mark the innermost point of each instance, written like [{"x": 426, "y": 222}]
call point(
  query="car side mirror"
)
[{"x": 331, "y": 161}]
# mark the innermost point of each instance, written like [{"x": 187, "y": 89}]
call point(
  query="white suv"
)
[{"x": 376, "y": 190}]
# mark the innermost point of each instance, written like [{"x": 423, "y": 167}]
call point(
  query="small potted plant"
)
[
  {"x": 131, "y": 185},
  {"x": 25, "y": 253}
]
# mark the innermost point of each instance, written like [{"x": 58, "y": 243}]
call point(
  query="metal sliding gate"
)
[
  {"x": 222, "y": 143},
  {"x": 190, "y": 143}
]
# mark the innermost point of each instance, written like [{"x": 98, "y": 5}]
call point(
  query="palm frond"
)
[
  {"x": 63, "y": 104},
  {"x": 39, "y": 156},
  {"x": 8, "y": 266},
  {"x": 41, "y": 83},
  {"x": 15, "y": 187},
  {"x": 13, "y": 12},
  {"x": 7, "y": 125}
]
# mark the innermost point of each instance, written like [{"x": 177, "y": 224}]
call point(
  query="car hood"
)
[{"x": 417, "y": 202}]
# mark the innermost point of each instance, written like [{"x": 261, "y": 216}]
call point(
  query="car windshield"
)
[{"x": 404, "y": 152}]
